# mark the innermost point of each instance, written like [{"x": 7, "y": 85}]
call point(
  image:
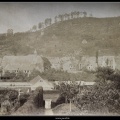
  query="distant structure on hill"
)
[{"x": 10, "y": 32}]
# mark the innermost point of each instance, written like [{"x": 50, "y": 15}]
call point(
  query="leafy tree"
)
[
  {"x": 85, "y": 14},
  {"x": 104, "y": 96},
  {"x": 56, "y": 18},
  {"x": 47, "y": 64},
  {"x": 21, "y": 75},
  {"x": 48, "y": 21},
  {"x": 40, "y": 25},
  {"x": 61, "y": 17},
  {"x": 66, "y": 16},
  {"x": 9, "y": 74},
  {"x": 13, "y": 94},
  {"x": 69, "y": 91},
  {"x": 72, "y": 15},
  {"x": 38, "y": 100},
  {"x": 104, "y": 73},
  {"x": 34, "y": 27},
  {"x": 77, "y": 13}
]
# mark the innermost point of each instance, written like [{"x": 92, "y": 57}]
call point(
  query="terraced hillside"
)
[{"x": 67, "y": 37}]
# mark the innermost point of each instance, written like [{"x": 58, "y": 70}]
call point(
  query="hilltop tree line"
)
[{"x": 60, "y": 18}]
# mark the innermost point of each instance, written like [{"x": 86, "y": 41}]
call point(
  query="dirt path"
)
[{"x": 48, "y": 112}]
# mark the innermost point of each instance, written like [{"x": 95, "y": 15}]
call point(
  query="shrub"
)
[
  {"x": 23, "y": 98},
  {"x": 99, "y": 98},
  {"x": 38, "y": 99},
  {"x": 104, "y": 96}
]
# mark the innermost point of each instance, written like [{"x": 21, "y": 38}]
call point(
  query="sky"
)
[{"x": 22, "y": 16}]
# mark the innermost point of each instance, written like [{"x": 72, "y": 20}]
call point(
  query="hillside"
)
[{"x": 66, "y": 37}]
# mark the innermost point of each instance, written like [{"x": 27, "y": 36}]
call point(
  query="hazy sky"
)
[{"x": 22, "y": 16}]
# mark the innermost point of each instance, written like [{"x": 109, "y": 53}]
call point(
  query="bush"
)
[
  {"x": 38, "y": 99},
  {"x": 96, "y": 100},
  {"x": 23, "y": 98},
  {"x": 13, "y": 94},
  {"x": 104, "y": 96}
]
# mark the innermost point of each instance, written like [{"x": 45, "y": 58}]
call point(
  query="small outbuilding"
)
[{"x": 38, "y": 81}]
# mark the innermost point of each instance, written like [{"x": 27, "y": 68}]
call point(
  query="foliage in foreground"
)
[
  {"x": 104, "y": 96},
  {"x": 32, "y": 104}
]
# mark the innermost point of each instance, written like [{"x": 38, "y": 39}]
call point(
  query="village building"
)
[
  {"x": 25, "y": 64},
  {"x": 69, "y": 64},
  {"x": 91, "y": 63},
  {"x": 28, "y": 86},
  {"x": 81, "y": 83},
  {"x": 55, "y": 62},
  {"x": 38, "y": 81}
]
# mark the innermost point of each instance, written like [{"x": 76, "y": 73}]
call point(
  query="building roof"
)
[
  {"x": 41, "y": 82},
  {"x": 24, "y": 84},
  {"x": 81, "y": 82},
  {"x": 36, "y": 79},
  {"x": 21, "y": 62},
  {"x": 19, "y": 67}
]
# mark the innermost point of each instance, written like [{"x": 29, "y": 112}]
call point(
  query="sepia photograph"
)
[{"x": 59, "y": 59}]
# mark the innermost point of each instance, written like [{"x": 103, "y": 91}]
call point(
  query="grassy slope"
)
[
  {"x": 64, "y": 109},
  {"x": 66, "y": 37}
]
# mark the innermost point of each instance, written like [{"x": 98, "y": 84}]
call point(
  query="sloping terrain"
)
[
  {"x": 64, "y": 109},
  {"x": 64, "y": 38}
]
